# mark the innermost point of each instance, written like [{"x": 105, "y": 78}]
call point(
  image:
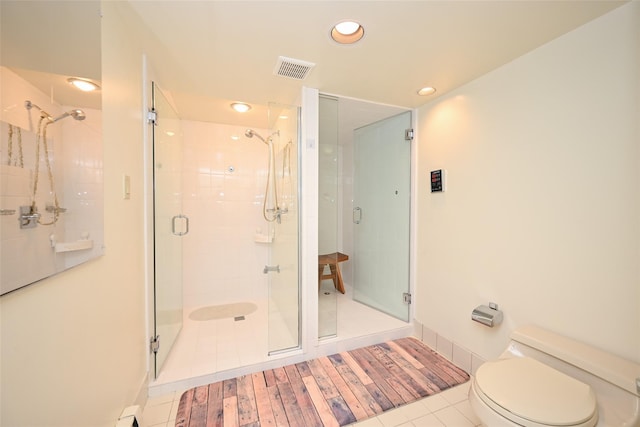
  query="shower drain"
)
[{"x": 238, "y": 318}]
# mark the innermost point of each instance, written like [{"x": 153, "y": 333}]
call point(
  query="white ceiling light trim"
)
[
  {"x": 347, "y": 32},
  {"x": 241, "y": 107},
  {"x": 427, "y": 90}
]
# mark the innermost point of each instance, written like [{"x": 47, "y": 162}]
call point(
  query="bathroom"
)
[{"x": 496, "y": 137}]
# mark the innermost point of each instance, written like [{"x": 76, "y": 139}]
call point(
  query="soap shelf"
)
[
  {"x": 78, "y": 245},
  {"x": 262, "y": 238}
]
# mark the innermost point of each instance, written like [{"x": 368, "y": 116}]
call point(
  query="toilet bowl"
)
[{"x": 544, "y": 379}]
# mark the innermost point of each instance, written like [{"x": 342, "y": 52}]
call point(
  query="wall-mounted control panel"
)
[{"x": 437, "y": 181}]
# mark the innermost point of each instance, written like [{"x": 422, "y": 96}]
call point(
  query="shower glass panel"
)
[
  {"x": 169, "y": 225},
  {"x": 328, "y": 208},
  {"x": 282, "y": 268},
  {"x": 382, "y": 185}
]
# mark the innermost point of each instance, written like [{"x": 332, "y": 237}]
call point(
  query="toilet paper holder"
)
[{"x": 488, "y": 315}]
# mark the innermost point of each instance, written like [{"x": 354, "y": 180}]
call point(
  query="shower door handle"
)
[
  {"x": 357, "y": 215},
  {"x": 268, "y": 268},
  {"x": 173, "y": 225}
]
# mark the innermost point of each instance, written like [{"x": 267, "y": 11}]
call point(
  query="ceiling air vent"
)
[{"x": 293, "y": 68}]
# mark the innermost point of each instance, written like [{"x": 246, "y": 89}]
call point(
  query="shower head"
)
[
  {"x": 76, "y": 114},
  {"x": 250, "y": 133}
]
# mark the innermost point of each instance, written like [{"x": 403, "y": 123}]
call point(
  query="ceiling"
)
[
  {"x": 211, "y": 53},
  {"x": 226, "y": 51}
]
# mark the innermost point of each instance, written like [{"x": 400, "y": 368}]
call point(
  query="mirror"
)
[{"x": 51, "y": 189}]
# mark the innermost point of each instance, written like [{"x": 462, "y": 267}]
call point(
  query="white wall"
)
[
  {"x": 542, "y": 208},
  {"x": 73, "y": 346}
]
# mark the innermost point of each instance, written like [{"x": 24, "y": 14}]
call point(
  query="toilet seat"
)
[{"x": 533, "y": 394}]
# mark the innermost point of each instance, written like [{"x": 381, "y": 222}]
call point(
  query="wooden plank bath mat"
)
[{"x": 329, "y": 391}]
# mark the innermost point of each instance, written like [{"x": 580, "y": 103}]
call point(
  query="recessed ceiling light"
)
[
  {"x": 347, "y": 32},
  {"x": 83, "y": 84},
  {"x": 428, "y": 90},
  {"x": 241, "y": 107}
]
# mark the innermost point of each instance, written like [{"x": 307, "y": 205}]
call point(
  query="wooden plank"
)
[
  {"x": 357, "y": 369},
  {"x": 270, "y": 378},
  {"x": 229, "y": 388},
  {"x": 321, "y": 405},
  {"x": 183, "y": 416},
  {"x": 406, "y": 392},
  {"x": 357, "y": 409},
  {"x": 265, "y": 413},
  {"x": 403, "y": 390},
  {"x": 230, "y": 411},
  {"x": 281, "y": 376},
  {"x": 199, "y": 407},
  {"x": 329, "y": 390},
  {"x": 247, "y": 408},
  {"x": 379, "y": 375},
  {"x": 290, "y": 404},
  {"x": 309, "y": 412},
  {"x": 416, "y": 363},
  {"x": 341, "y": 411},
  {"x": 439, "y": 370},
  {"x": 215, "y": 408},
  {"x": 437, "y": 364},
  {"x": 398, "y": 373},
  {"x": 303, "y": 369},
  {"x": 277, "y": 406},
  {"x": 362, "y": 394},
  {"x": 414, "y": 373}
]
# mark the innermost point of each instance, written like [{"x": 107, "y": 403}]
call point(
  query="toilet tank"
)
[{"x": 615, "y": 381}]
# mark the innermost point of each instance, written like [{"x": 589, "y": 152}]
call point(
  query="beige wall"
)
[
  {"x": 74, "y": 346},
  {"x": 542, "y": 209}
]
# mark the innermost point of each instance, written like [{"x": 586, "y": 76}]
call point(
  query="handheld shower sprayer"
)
[
  {"x": 270, "y": 192},
  {"x": 76, "y": 113}
]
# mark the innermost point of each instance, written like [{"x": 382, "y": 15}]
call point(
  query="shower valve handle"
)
[{"x": 268, "y": 268}]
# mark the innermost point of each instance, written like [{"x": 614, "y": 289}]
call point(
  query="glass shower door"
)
[
  {"x": 284, "y": 283},
  {"x": 381, "y": 214},
  {"x": 328, "y": 212},
  {"x": 169, "y": 227}
]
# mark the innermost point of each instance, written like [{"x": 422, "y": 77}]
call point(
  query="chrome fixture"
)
[
  {"x": 28, "y": 217},
  {"x": 250, "y": 133},
  {"x": 268, "y": 268},
  {"x": 275, "y": 212},
  {"x": 76, "y": 113}
]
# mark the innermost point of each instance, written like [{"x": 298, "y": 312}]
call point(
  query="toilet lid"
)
[{"x": 536, "y": 392}]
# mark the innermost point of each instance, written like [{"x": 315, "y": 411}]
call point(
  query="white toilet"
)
[{"x": 543, "y": 379}]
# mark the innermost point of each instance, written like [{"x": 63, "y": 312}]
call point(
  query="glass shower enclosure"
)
[
  {"x": 278, "y": 239},
  {"x": 381, "y": 215},
  {"x": 170, "y": 224},
  {"x": 284, "y": 319}
]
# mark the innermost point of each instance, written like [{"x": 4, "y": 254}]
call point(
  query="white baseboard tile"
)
[{"x": 452, "y": 351}]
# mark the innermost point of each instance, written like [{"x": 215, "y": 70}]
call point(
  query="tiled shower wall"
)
[
  {"x": 224, "y": 177},
  {"x": 75, "y": 153}
]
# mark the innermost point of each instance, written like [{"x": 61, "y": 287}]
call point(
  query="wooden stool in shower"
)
[{"x": 332, "y": 261}]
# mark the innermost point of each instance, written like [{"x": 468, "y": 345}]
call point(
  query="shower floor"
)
[{"x": 224, "y": 344}]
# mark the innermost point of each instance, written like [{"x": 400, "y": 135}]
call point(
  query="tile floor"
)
[
  {"x": 205, "y": 347},
  {"x": 447, "y": 409},
  {"x": 213, "y": 346}
]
